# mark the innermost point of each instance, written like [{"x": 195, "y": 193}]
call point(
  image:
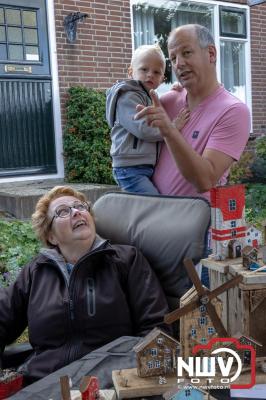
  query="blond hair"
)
[
  {"x": 147, "y": 49},
  {"x": 40, "y": 220}
]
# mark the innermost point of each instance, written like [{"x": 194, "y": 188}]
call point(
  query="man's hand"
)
[
  {"x": 155, "y": 115},
  {"x": 177, "y": 86},
  {"x": 182, "y": 118}
]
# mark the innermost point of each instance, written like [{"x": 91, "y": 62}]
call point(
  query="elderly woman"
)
[{"x": 80, "y": 292}]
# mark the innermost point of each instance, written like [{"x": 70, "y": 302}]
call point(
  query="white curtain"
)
[
  {"x": 143, "y": 27},
  {"x": 233, "y": 72}
]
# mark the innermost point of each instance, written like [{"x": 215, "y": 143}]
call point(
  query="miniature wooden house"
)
[
  {"x": 89, "y": 388},
  {"x": 196, "y": 326},
  {"x": 228, "y": 220},
  {"x": 253, "y": 236},
  {"x": 250, "y": 258},
  {"x": 156, "y": 354},
  {"x": 245, "y": 354},
  {"x": 244, "y": 306},
  {"x": 188, "y": 393}
]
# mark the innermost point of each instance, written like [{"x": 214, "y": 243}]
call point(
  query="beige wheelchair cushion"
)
[{"x": 166, "y": 229}]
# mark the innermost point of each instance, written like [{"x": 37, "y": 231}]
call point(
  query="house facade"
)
[
  {"x": 156, "y": 354},
  {"x": 38, "y": 63},
  {"x": 228, "y": 226},
  {"x": 196, "y": 326}
]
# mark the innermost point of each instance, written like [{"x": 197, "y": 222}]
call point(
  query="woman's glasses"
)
[{"x": 64, "y": 211}]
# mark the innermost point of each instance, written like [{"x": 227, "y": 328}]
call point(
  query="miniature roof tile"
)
[
  {"x": 151, "y": 336},
  {"x": 239, "y": 335},
  {"x": 247, "y": 250}
]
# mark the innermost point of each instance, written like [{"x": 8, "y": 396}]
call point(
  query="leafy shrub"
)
[
  {"x": 255, "y": 203},
  {"x": 261, "y": 147},
  {"x": 259, "y": 165},
  {"x": 241, "y": 170},
  {"x": 17, "y": 247},
  {"x": 87, "y": 139}
]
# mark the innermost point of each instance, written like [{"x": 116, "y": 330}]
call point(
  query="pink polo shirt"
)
[{"x": 220, "y": 122}]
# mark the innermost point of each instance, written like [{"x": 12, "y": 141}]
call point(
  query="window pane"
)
[
  {"x": 233, "y": 22},
  {"x": 3, "y": 55},
  {"x": 233, "y": 71},
  {"x": 15, "y": 52},
  {"x": 2, "y": 19},
  {"x": 29, "y": 18},
  {"x": 32, "y": 53},
  {"x": 2, "y": 34},
  {"x": 189, "y": 13},
  {"x": 14, "y": 34},
  {"x": 30, "y": 36},
  {"x": 153, "y": 20},
  {"x": 13, "y": 17}
]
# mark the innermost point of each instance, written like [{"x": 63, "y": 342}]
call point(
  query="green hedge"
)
[
  {"x": 18, "y": 246},
  {"x": 87, "y": 137}
]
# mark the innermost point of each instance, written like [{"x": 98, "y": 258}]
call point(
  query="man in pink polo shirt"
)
[{"x": 196, "y": 159}]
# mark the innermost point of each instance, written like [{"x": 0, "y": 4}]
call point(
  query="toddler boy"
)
[{"x": 135, "y": 145}]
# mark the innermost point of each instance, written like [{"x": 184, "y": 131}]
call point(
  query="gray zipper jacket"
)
[{"x": 133, "y": 141}]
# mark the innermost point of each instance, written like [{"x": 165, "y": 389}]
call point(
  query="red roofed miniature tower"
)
[{"x": 228, "y": 226}]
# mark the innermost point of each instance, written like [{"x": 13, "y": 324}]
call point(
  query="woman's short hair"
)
[{"x": 40, "y": 220}]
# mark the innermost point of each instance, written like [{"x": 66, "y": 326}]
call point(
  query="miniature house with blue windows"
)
[
  {"x": 189, "y": 392},
  {"x": 156, "y": 354},
  {"x": 196, "y": 326},
  {"x": 253, "y": 236},
  {"x": 228, "y": 229}
]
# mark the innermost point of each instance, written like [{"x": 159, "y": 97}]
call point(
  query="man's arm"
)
[{"x": 203, "y": 171}]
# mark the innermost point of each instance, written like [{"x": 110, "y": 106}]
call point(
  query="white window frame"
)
[
  {"x": 232, "y": 205},
  {"x": 154, "y": 351},
  {"x": 217, "y": 38}
]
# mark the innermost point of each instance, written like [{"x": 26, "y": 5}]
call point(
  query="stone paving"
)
[{"x": 18, "y": 199}]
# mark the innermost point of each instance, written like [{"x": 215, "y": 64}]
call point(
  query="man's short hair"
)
[{"x": 204, "y": 36}]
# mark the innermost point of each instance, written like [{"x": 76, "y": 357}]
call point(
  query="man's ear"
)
[
  {"x": 212, "y": 53},
  {"x": 130, "y": 72}
]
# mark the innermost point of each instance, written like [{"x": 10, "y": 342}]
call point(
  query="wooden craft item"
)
[
  {"x": 204, "y": 299},
  {"x": 128, "y": 384}
]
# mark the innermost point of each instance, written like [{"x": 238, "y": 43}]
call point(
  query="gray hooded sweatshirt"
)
[{"x": 133, "y": 141}]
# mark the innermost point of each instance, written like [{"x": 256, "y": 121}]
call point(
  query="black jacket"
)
[{"x": 111, "y": 292}]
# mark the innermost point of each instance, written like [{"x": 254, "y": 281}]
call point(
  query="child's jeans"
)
[{"x": 135, "y": 179}]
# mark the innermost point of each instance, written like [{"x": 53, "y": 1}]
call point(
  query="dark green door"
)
[{"x": 27, "y": 144}]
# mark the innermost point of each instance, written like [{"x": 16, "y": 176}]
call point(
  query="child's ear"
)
[{"x": 130, "y": 72}]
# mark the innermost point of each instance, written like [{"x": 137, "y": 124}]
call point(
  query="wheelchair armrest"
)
[{"x": 15, "y": 354}]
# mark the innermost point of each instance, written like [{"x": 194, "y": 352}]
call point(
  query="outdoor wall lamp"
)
[{"x": 70, "y": 24}]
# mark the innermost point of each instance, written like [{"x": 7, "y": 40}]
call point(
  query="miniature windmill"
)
[{"x": 204, "y": 298}]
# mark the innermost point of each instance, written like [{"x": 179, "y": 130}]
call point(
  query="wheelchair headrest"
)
[{"x": 166, "y": 229}]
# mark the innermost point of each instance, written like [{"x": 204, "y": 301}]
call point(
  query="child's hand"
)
[
  {"x": 182, "y": 118},
  {"x": 177, "y": 86}
]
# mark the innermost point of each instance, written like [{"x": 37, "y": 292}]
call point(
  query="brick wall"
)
[
  {"x": 258, "y": 67},
  {"x": 102, "y": 51}
]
